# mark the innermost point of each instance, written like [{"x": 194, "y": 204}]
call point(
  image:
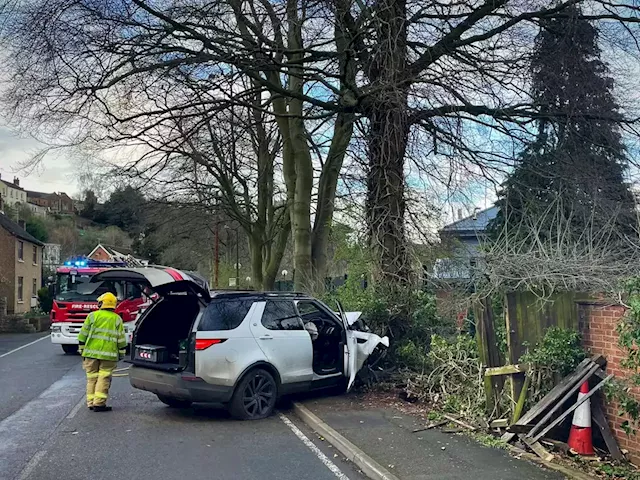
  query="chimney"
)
[
  {"x": 22, "y": 224},
  {"x": 16, "y": 181},
  {"x": 459, "y": 214}
]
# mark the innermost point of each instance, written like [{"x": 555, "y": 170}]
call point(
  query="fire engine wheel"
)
[{"x": 70, "y": 349}]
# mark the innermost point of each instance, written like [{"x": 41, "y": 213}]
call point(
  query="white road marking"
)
[
  {"x": 31, "y": 466},
  {"x": 26, "y": 432},
  {"x": 77, "y": 408},
  {"x": 323, "y": 458},
  {"x": 24, "y": 346}
]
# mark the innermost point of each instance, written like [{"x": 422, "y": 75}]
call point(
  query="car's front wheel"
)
[
  {"x": 255, "y": 396},
  {"x": 174, "y": 402},
  {"x": 70, "y": 349}
]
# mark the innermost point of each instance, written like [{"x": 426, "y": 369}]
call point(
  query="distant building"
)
[
  {"x": 106, "y": 253},
  {"x": 12, "y": 192},
  {"x": 55, "y": 202},
  {"x": 51, "y": 256},
  {"x": 20, "y": 265},
  {"x": 465, "y": 236},
  {"x": 37, "y": 210}
]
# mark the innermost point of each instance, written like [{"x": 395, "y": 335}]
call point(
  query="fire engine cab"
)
[{"x": 75, "y": 297}]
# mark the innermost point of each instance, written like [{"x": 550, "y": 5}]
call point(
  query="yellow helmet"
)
[{"x": 107, "y": 301}]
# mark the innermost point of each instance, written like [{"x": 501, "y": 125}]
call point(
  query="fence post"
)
[{"x": 488, "y": 350}]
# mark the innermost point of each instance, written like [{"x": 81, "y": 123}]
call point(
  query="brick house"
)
[
  {"x": 20, "y": 265},
  {"x": 106, "y": 253},
  {"x": 54, "y": 202}
]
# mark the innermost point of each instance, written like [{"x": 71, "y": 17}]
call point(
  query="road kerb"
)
[{"x": 368, "y": 465}]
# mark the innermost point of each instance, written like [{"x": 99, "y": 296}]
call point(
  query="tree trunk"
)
[
  {"x": 328, "y": 183},
  {"x": 388, "y": 135}
]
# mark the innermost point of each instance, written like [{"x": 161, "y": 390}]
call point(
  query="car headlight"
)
[{"x": 56, "y": 328}]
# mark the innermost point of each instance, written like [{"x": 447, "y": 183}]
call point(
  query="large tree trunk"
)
[
  {"x": 388, "y": 135},
  {"x": 328, "y": 183}
]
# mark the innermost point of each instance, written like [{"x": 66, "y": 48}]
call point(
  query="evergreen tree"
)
[{"x": 572, "y": 176}]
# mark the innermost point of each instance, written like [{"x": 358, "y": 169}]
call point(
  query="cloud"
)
[{"x": 54, "y": 173}]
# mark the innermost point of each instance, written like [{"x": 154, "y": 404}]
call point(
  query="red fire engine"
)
[{"x": 74, "y": 298}]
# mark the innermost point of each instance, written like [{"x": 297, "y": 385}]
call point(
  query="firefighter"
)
[{"x": 102, "y": 344}]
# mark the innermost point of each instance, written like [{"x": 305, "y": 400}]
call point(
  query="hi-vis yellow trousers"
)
[{"x": 98, "y": 380}]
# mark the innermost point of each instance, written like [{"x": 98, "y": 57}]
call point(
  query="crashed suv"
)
[{"x": 241, "y": 349}]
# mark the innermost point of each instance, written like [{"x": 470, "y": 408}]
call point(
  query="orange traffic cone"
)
[{"x": 580, "y": 439}]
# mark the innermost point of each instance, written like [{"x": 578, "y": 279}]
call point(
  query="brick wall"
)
[
  {"x": 101, "y": 255},
  {"x": 30, "y": 271},
  {"x": 598, "y": 327},
  {"x": 7, "y": 268}
]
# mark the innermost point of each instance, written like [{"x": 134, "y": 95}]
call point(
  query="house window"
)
[
  {"x": 34, "y": 289},
  {"x": 20, "y": 289},
  {"x": 21, "y": 251},
  {"x": 35, "y": 255}
]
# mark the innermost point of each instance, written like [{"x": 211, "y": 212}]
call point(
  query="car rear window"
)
[
  {"x": 224, "y": 314},
  {"x": 281, "y": 315}
]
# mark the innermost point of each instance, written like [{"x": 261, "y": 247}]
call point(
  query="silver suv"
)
[{"x": 242, "y": 349}]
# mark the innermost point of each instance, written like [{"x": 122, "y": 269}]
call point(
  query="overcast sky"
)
[{"x": 55, "y": 174}]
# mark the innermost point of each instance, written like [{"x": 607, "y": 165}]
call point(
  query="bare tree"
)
[
  {"x": 544, "y": 254},
  {"x": 451, "y": 76}
]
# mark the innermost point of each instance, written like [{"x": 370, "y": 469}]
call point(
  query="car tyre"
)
[
  {"x": 70, "y": 349},
  {"x": 174, "y": 402},
  {"x": 255, "y": 396}
]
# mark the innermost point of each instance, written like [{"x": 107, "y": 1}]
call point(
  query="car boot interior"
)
[{"x": 168, "y": 324}]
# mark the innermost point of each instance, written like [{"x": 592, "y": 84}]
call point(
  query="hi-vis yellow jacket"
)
[{"x": 103, "y": 336}]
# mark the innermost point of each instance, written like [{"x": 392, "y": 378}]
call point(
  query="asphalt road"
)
[{"x": 46, "y": 432}]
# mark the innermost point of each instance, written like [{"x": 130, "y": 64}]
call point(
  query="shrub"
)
[
  {"x": 45, "y": 299},
  {"x": 557, "y": 355},
  {"x": 454, "y": 378}
]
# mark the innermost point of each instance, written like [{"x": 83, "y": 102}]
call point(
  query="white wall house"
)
[{"x": 12, "y": 193}]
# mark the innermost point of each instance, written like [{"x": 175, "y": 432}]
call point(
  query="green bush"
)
[
  {"x": 559, "y": 352},
  {"x": 557, "y": 355},
  {"x": 408, "y": 317},
  {"x": 45, "y": 299}
]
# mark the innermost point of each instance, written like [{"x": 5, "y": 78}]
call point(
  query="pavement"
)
[
  {"x": 385, "y": 434},
  {"x": 46, "y": 432}
]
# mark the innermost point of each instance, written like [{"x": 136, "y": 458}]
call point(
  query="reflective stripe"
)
[
  {"x": 103, "y": 337},
  {"x": 100, "y": 352},
  {"x": 90, "y": 396},
  {"x": 92, "y": 375},
  {"x": 106, "y": 330},
  {"x": 105, "y": 373},
  {"x": 101, "y": 395}
]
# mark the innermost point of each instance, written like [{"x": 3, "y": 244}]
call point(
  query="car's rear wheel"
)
[
  {"x": 174, "y": 402},
  {"x": 70, "y": 349},
  {"x": 255, "y": 396}
]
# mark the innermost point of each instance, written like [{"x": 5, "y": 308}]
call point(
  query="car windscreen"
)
[{"x": 224, "y": 314}]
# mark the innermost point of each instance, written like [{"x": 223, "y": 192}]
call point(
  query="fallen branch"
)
[{"x": 460, "y": 422}]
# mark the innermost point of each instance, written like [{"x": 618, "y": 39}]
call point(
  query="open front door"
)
[{"x": 351, "y": 350}]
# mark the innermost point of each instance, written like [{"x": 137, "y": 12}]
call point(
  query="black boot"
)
[
  {"x": 91, "y": 408},
  {"x": 102, "y": 408}
]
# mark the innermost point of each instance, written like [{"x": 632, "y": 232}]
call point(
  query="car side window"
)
[
  {"x": 224, "y": 315},
  {"x": 281, "y": 315}
]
